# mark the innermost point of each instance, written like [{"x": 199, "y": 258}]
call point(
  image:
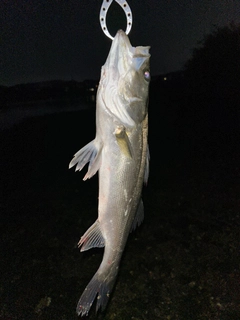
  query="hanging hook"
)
[{"x": 103, "y": 13}]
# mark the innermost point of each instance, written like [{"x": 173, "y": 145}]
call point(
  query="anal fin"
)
[
  {"x": 146, "y": 173},
  {"x": 92, "y": 238},
  {"x": 139, "y": 216}
]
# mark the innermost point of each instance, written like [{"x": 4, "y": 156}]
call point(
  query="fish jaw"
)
[{"x": 125, "y": 78}]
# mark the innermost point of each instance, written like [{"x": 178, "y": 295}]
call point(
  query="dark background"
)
[
  {"x": 47, "y": 40},
  {"x": 183, "y": 261}
]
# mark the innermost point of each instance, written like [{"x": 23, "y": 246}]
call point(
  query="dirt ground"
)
[{"x": 181, "y": 263}]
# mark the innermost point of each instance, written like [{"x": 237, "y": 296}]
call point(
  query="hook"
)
[{"x": 103, "y": 13}]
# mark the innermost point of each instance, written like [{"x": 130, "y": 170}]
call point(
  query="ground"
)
[{"x": 181, "y": 263}]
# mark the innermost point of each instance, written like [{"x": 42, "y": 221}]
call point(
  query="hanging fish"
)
[{"x": 120, "y": 154}]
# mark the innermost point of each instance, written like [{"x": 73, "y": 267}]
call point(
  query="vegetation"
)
[{"x": 213, "y": 71}]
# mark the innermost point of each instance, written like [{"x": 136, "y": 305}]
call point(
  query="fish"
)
[{"x": 120, "y": 155}]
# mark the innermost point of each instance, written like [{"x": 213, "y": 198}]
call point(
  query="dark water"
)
[
  {"x": 16, "y": 114},
  {"x": 182, "y": 263}
]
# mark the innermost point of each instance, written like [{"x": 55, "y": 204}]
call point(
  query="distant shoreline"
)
[{"x": 15, "y": 114}]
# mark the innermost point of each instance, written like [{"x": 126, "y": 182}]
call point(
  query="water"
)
[{"x": 15, "y": 115}]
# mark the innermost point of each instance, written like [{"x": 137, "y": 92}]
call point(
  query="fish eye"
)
[{"x": 147, "y": 75}]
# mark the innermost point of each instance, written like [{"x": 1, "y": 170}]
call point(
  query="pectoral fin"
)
[
  {"x": 90, "y": 153},
  {"x": 123, "y": 141}
]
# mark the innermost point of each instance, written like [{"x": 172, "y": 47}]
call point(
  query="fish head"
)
[{"x": 125, "y": 79}]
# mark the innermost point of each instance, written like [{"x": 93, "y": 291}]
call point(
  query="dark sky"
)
[{"x": 58, "y": 39}]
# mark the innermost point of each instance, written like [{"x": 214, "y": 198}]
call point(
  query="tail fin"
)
[{"x": 100, "y": 286}]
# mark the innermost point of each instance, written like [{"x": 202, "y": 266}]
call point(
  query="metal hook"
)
[{"x": 103, "y": 13}]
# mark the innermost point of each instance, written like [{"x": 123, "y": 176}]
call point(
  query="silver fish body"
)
[{"x": 120, "y": 153}]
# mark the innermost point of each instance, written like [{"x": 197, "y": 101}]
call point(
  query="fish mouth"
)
[
  {"x": 122, "y": 41},
  {"x": 122, "y": 55},
  {"x": 121, "y": 36},
  {"x": 121, "y": 50}
]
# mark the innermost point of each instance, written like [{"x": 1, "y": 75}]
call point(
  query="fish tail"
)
[{"x": 101, "y": 286}]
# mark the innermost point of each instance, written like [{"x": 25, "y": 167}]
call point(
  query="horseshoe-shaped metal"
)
[{"x": 103, "y": 13}]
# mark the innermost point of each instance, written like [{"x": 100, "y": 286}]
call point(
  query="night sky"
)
[{"x": 53, "y": 39}]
